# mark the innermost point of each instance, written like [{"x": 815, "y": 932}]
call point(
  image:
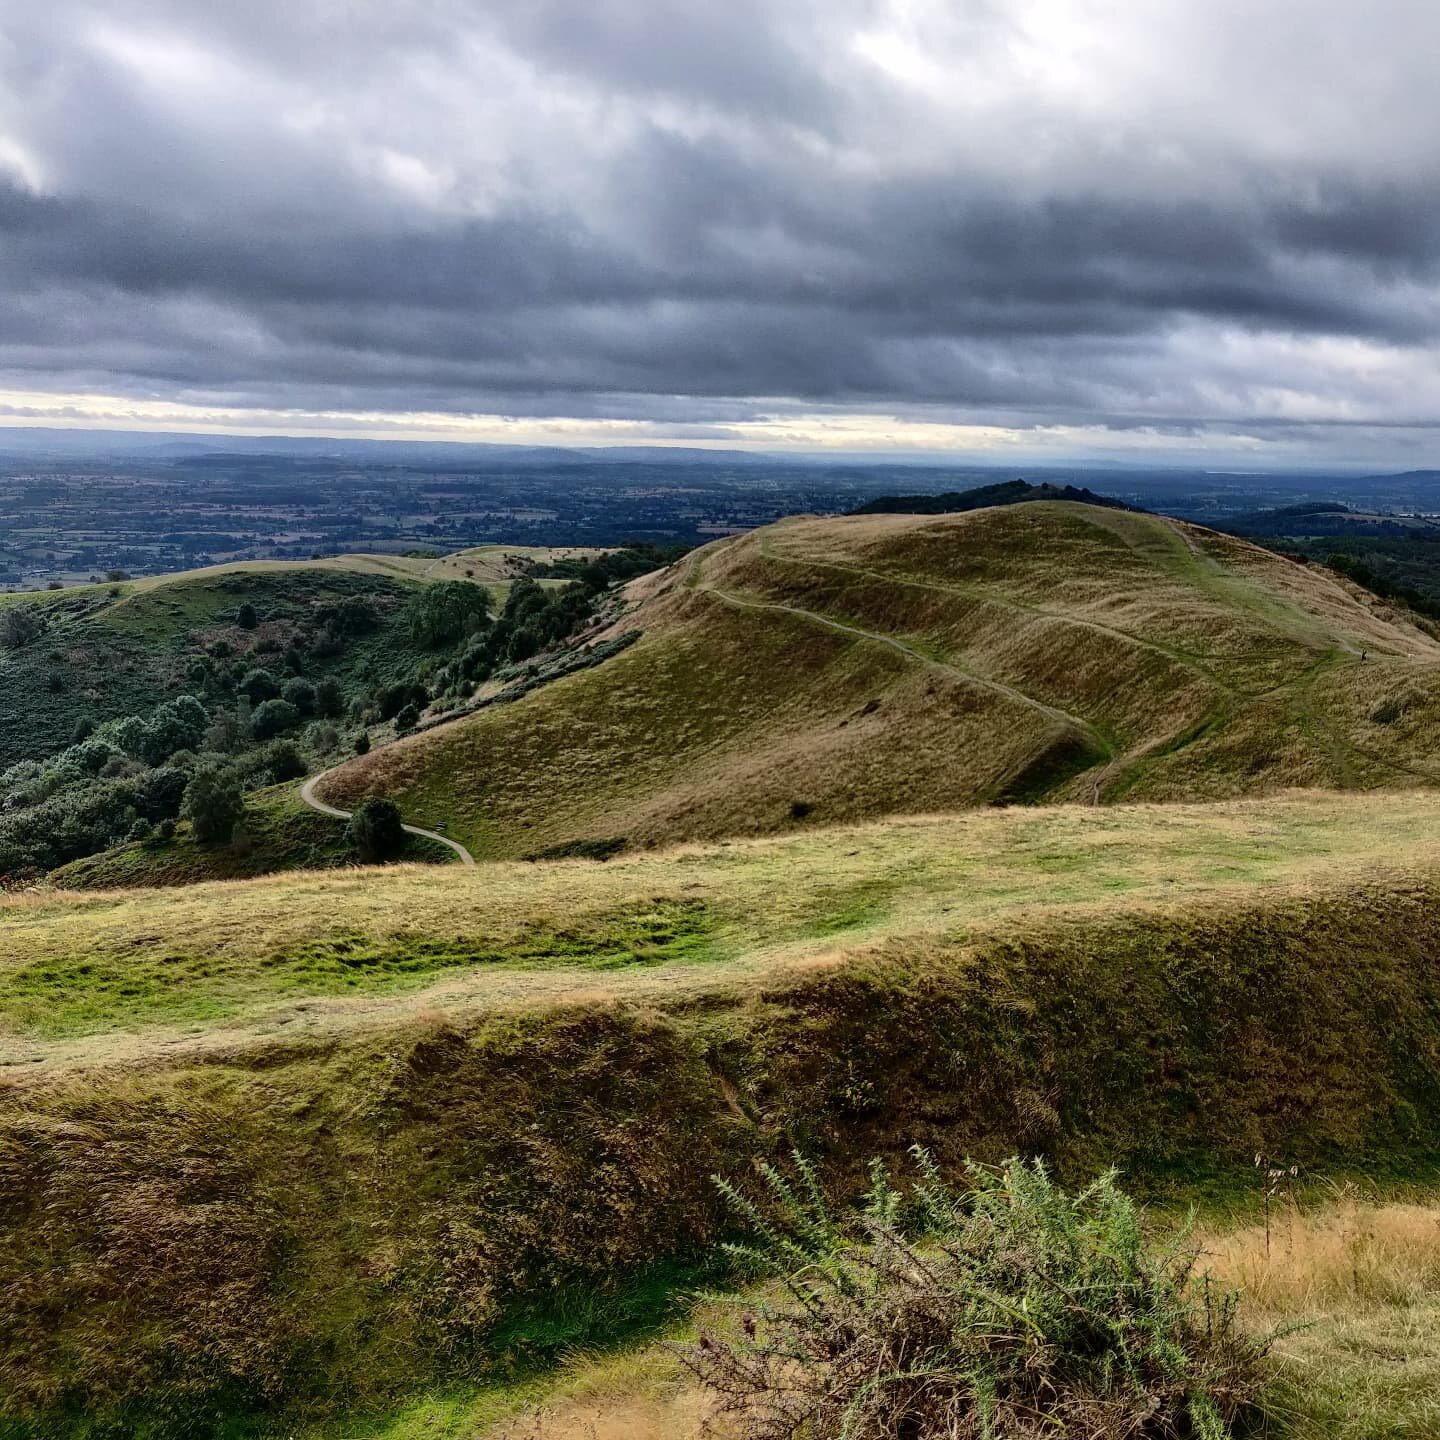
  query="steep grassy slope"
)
[
  {"x": 824, "y": 671},
  {"x": 306, "y": 1142}
]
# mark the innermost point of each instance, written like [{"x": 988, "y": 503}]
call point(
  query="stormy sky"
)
[{"x": 1131, "y": 228}]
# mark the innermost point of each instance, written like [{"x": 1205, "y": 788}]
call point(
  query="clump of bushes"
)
[
  {"x": 1009, "y": 1310},
  {"x": 375, "y": 830}
]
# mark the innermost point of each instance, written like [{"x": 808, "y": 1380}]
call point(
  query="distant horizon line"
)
[{"x": 144, "y": 438}]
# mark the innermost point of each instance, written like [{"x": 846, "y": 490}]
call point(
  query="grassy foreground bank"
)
[
  {"x": 1358, "y": 1279},
  {"x": 324, "y": 1197}
]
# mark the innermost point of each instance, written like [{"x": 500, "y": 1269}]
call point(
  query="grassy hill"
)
[
  {"x": 826, "y": 671},
  {"x": 279, "y": 833},
  {"x": 307, "y": 1143},
  {"x": 111, "y": 650}
]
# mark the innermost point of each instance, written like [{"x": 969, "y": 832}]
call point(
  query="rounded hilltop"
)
[{"x": 823, "y": 671}]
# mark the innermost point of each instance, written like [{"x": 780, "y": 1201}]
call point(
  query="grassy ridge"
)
[
  {"x": 83, "y": 964},
  {"x": 325, "y": 1208},
  {"x": 827, "y": 671}
]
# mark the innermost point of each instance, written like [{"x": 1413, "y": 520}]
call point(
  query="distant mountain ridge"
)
[{"x": 1006, "y": 492}]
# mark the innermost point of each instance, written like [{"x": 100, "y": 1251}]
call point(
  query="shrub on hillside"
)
[
  {"x": 299, "y": 693},
  {"x": 407, "y": 720},
  {"x": 281, "y": 760},
  {"x": 390, "y": 700},
  {"x": 329, "y": 699},
  {"x": 274, "y": 717},
  {"x": 375, "y": 830},
  {"x": 19, "y": 625},
  {"x": 354, "y": 615},
  {"x": 259, "y": 685},
  {"x": 362, "y": 743},
  {"x": 214, "y": 804},
  {"x": 1009, "y": 1310}
]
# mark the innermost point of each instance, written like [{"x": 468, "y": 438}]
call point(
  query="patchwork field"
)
[{"x": 820, "y": 672}]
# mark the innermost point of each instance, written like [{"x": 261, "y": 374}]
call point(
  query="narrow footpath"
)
[{"x": 307, "y": 794}]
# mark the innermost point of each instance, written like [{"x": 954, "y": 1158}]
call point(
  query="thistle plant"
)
[{"x": 1004, "y": 1309}]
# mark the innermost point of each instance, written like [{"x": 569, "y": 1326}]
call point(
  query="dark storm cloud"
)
[{"x": 652, "y": 209}]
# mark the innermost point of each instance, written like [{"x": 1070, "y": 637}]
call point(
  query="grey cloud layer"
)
[{"x": 1032, "y": 211}]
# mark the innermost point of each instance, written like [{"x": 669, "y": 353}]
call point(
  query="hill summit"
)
[
  {"x": 824, "y": 671},
  {"x": 1006, "y": 492}
]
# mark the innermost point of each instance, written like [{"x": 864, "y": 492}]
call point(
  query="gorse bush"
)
[{"x": 1009, "y": 1310}]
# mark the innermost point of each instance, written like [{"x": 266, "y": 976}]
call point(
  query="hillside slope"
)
[
  {"x": 103, "y": 651},
  {"x": 825, "y": 671},
  {"x": 308, "y": 1143}
]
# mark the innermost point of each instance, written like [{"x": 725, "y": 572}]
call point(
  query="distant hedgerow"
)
[{"x": 1009, "y": 1310}]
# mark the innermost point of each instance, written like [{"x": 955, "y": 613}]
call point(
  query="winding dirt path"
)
[
  {"x": 1062, "y": 718},
  {"x": 307, "y": 794}
]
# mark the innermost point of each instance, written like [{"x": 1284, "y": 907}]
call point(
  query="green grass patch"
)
[{"x": 150, "y": 982}]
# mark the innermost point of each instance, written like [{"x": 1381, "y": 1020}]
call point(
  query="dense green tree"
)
[
  {"x": 301, "y": 694},
  {"x": 375, "y": 829},
  {"x": 273, "y": 717},
  {"x": 180, "y": 724},
  {"x": 214, "y": 804},
  {"x": 442, "y": 613},
  {"x": 259, "y": 685},
  {"x": 329, "y": 699}
]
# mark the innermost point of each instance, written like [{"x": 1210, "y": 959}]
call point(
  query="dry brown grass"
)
[
  {"x": 1363, "y": 1280},
  {"x": 1346, "y": 1256}
]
